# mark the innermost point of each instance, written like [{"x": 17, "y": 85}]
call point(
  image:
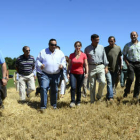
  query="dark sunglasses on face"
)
[
  {"x": 53, "y": 44},
  {"x": 27, "y": 50}
]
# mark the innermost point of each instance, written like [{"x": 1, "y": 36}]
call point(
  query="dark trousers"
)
[
  {"x": 133, "y": 69},
  {"x": 3, "y": 92},
  {"x": 76, "y": 82},
  {"x": 38, "y": 88}
]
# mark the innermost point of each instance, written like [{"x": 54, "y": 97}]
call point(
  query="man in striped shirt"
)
[{"x": 25, "y": 65}]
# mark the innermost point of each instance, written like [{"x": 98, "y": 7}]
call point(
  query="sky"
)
[{"x": 35, "y": 22}]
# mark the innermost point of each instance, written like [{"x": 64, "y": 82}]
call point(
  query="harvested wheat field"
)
[{"x": 115, "y": 120}]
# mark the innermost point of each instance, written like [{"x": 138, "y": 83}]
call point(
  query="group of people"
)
[{"x": 96, "y": 63}]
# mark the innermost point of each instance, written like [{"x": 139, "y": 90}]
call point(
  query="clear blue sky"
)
[{"x": 34, "y": 22}]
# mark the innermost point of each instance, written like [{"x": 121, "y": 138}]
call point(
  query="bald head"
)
[{"x": 134, "y": 36}]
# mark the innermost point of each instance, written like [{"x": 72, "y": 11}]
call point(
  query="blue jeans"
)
[
  {"x": 123, "y": 77},
  {"x": 111, "y": 78},
  {"x": 49, "y": 81},
  {"x": 76, "y": 82}
]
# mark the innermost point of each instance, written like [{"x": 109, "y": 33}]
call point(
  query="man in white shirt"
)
[{"x": 51, "y": 61}]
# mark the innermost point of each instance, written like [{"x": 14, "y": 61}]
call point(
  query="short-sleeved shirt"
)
[
  {"x": 132, "y": 51},
  {"x": 2, "y": 60},
  {"x": 77, "y": 64},
  {"x": 25, "y": 65},
  {"x": 1, "y": 75},
  {"x": 113, "y": 56}
]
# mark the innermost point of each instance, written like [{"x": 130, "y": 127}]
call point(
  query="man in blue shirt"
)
[{"x": 3, "y": 82}]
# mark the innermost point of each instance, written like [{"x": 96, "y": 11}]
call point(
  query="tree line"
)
[{"x": 10, "y": 62}]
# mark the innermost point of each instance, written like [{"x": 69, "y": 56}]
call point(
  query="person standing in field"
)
[
  {"x": 77, "y": 60},
  {"x": 25, "y": 65},
  {"x": 123, "y": 74},
  {"x": 113, "y": 53},
  {"x": 98, "y": 66},
  {"x": 131, "y": 53},
  {"x": 3, "y": 80},
  {"x": 51, "y": 61}
]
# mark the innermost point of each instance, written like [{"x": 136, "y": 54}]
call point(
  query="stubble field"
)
[{"x": 103, "y": 120}]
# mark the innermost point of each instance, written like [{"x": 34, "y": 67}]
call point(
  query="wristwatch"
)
[{"x": 4, "y": 78}]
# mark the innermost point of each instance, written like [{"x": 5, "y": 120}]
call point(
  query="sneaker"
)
[
  {"x": 42, "y": 110},
  {"x": 54, "y": 107},
  {"x": 78, "y": 104},
  {"x": 72, "y": 104}
]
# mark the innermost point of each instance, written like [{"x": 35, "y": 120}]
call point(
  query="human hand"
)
[{"x": 42, "y": 66}]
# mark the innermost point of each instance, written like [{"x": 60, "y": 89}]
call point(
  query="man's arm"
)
[{"x": 4, "y": 71}]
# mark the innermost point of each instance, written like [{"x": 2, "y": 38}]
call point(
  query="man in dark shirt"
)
[
  {"x": 25, "y": 65},
  {"x": 113, "y": 53}
]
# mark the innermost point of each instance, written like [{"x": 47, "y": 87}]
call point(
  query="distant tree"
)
[{"x": 10, "y": 62}]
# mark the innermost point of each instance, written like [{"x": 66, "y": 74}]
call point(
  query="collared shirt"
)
[
  {"x": 2, "y": 60},
  {"x": 25, "y": 65},
  {"x": 51, "y": 60},
  {"x": 132, "y": 51},
  {"x": 96, "y": 55}
]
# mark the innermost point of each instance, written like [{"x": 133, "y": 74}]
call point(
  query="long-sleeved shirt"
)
[
  {"x": 96, "y": 55},
  {"x": 51, "y": 60}
]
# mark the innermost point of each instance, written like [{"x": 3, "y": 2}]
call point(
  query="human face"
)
[
  {"x": 111, "y": 42},
  {"x": 52, "y": 46},
  {"x": 134, "y": 37},
  {"x": 95, "y": 41},
  {"x": 78, "y": 47},
  {"x": 27, "y": 52}
]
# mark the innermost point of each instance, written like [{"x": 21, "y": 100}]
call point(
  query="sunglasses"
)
[
  {"x": 27, "y": 50},
  {"x": 53, "y": 44}
]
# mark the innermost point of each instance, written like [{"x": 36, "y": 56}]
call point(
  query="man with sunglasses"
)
[
  {"x": 51, "y": 61},
  {"x": 113, "y": 53},
  {"x": 25, "y": 65}
]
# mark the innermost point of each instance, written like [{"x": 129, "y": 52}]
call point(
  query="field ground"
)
[{"x": 103, "y": 120}]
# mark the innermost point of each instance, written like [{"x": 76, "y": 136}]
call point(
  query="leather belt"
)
[{"x": 96, "y": 64}]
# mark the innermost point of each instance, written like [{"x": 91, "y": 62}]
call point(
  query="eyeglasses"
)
[{"x": 53, "y": 44}]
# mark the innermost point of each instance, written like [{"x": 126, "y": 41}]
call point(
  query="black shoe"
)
[
  {"x": 124, "y": 95},
  {"x": 28, "y": 95}
]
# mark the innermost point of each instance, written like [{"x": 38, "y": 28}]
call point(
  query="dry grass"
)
[{"x": 103, "y": 120}]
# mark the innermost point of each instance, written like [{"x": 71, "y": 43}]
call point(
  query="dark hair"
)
[
  {"x": 58, "y": 47},
  {"x": 78, "y": 42},
  {"x": 51, "y": 40},
  {"x": 111, "y": 37},
  {"x": 67, "y": 58},
  {"x": 24, "y": 48},
  {"x": 94, "y": 36}
]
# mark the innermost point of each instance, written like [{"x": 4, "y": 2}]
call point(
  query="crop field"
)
[{"x": 103, "y": 120}]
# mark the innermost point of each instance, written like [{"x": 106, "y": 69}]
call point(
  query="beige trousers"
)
[
  {"x": 96, "y": 73},
  {"x": 26, "y": 81}
]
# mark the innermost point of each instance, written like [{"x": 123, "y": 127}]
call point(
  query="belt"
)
[{"x": 96, "y": 64}]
